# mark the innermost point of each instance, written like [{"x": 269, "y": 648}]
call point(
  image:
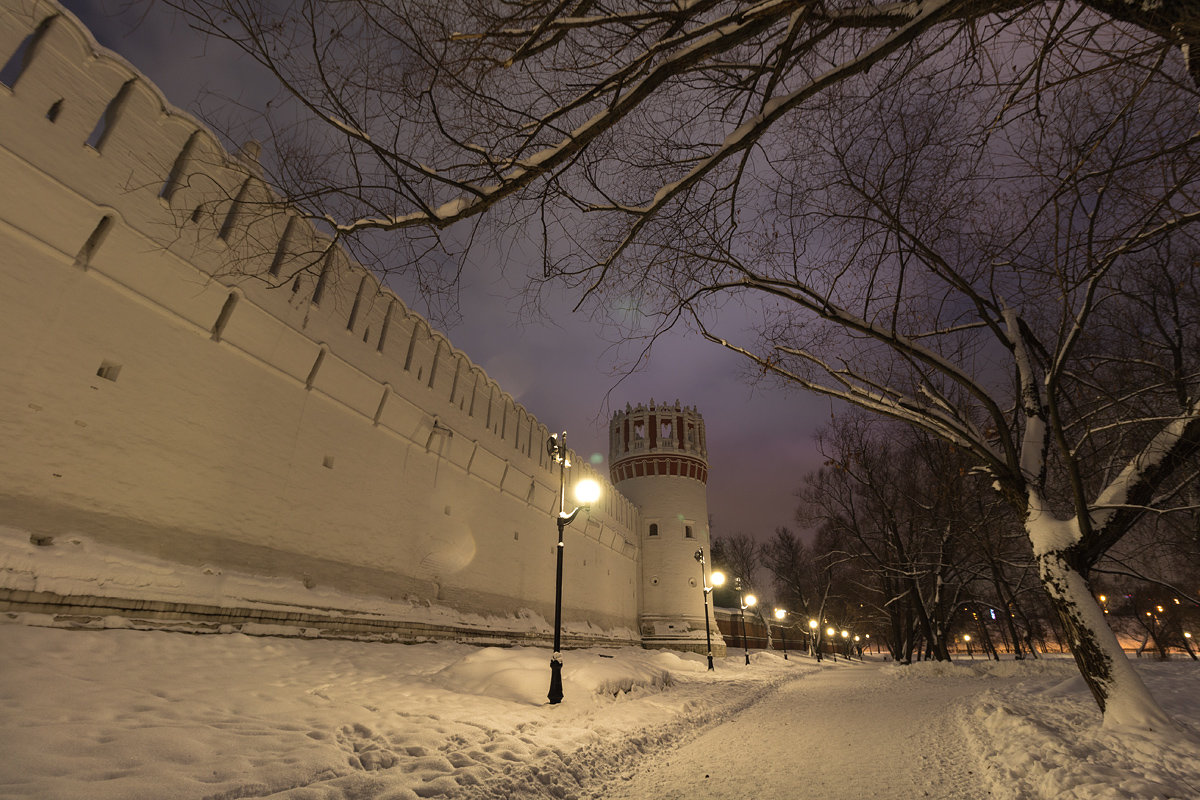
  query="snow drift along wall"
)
[{"x": 159, "y": 396}]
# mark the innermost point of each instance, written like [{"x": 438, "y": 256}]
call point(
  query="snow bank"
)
[
  {"x": 126, "y": 714},
  {"x": 1041, "y": 737}
]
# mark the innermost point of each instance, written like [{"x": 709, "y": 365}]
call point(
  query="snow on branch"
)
[{"x": 1121, "y": 503}]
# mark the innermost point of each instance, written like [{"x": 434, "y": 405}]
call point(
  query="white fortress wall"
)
[{"x": 159, "y": 395}]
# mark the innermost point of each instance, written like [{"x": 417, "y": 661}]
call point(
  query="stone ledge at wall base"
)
[
  {"x": 687, "y": 643},
  {"x": 91, "y": 612}
]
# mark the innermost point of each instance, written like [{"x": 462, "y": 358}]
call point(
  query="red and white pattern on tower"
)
[{"x": 658, "y": 440}]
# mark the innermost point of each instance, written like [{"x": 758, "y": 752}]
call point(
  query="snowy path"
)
[{"x": 836, "y": 733}]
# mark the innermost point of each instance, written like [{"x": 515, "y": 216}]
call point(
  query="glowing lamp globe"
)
[
  {"x": 812, "y": 623},
  {"x": 587, "y": 491},
  {"x": 751, "y": 600},
  {"x": 717, "y": 578},
  {"x": 780, "y": 613}
]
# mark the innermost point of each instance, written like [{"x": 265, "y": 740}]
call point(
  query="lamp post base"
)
[{"x": 556, "y": 690}]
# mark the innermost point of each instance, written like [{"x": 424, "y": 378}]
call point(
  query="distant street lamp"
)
[
  {"x": 967, "y": 639},
  {"x": 779, "y": 615},
  {"x": 812, "y": 638},
  {"x": 717, "y": 579},
  {"x": 846, "y": 643},
  {"x": 744, "y": 601},
  {"x": 587, "y": 491}
]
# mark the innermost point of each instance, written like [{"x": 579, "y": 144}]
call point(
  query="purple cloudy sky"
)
[{"x": 760, "y": 439}]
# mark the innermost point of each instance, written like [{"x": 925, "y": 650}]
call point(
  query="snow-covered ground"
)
[{"x": 153, "y": 714}]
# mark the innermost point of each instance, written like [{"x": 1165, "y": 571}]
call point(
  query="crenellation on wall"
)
[
  {"x": 349, "y": 386},
  {"x": 60, "y": 64},
  {"x": 278, "y": 346},
  {"x": 362, "y": 302},
  {"x": 17, "y": 25},
  {"x": 102, "y": 131},
  {"x": 63, "y": 227},
  {"x": 488, "y": 466},
  {"x": 400, "y": 416},
  {"x": 516, "y": 482},
  {"x": 437, "y": 381}
]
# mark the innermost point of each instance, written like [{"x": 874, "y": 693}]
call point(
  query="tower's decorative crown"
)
[{"x": 657, "y": 439}]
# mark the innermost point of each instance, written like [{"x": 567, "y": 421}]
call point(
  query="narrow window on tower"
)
[
  {"x": 687, "y": 532},
  {"x": 654, "y": 529}
]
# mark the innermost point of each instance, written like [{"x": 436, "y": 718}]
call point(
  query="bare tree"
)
[
  {"x": 933, "y": 205},
  {"x": 738, "y": 555},
  {"x": 791, "y": 564},
  {"x": 899, "y": 499},
  {"x": 439, "y": 111}
]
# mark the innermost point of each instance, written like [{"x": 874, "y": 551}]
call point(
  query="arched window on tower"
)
[{"x": 654, "y": 529}]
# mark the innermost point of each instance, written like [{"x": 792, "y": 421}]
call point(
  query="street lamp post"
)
[
  {"x": 779, "y": 615},
  {"x": 717, "y": 579},
  {"x": 846, "y": 643},
  {"x": 830, "y": 632},
  {"x": 586, "y": 492},
  {"x": 744, "y": 601},
  {"x": 813, "y": 644}
]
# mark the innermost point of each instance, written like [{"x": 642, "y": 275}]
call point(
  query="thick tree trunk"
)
[{"x": 1116, "y": 687}]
